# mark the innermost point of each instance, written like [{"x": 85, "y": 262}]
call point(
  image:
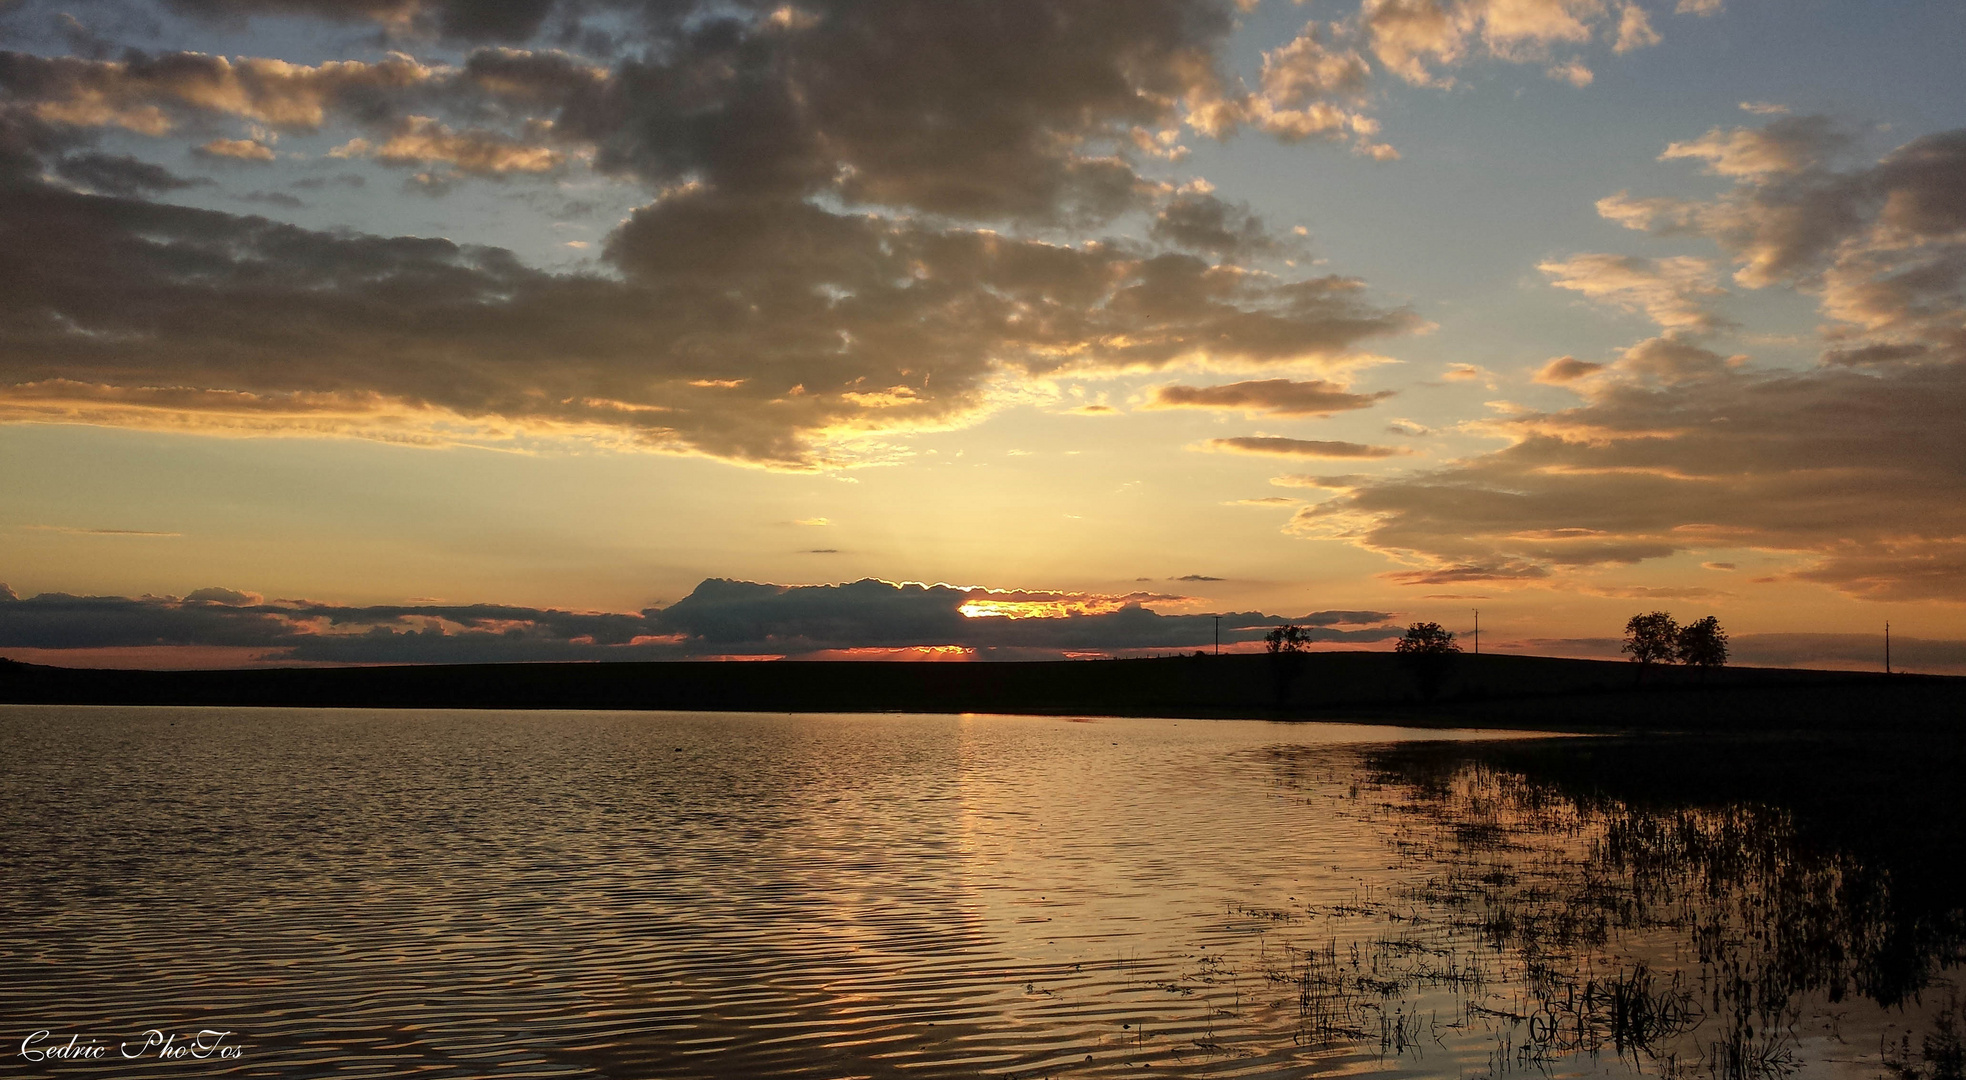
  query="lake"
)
[{"x": 432, "y": 893}]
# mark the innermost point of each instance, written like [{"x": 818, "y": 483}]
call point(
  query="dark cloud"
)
[
  {"x": 1859, "y": 477},
  {"x": 1850, "y": 652},
  {"x": 1458, "y": 574},
  {"x": 80, "y": 38},
  {"x": 317, "y": 183},
  {"x": 720, "y": 617},
  {"x": 273, "y": 198},
  {"x": 739, "y": 315},
  {"x": 1277, "y": 397},
  {"x": 1853, "y": 473},
  {"x": 1881, "y": 246},
  {"x": 981, "y": 109},
  {"x": 219, "y": 595},
  {"x": 120, "y": 174},
  {"x": 971, "y": 108},
  {"x": 471, "y": 20},
  {"x": 737, "y": 616},
  {"x": 735, "y": 333},
  {"x": 1316, "y": 448},
  {"x": 1201, "y": 222},
  {"x": 1194, "y": 577},
  {"x": 1860, "y": 651},
  {"x": 60, "y": 621}
]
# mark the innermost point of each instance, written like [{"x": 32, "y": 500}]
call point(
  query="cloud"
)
[
  {"x": 1277, "y": 397},
  {"x": 1329, "y": 483},
  {"x": 826, "y": 229},
  {"x": 422, "y": 140},
  {"x": 1881, "y": 246},
  {"x": 1566, "y": 369},
  {"x": 1201, "y": 222},
  {"x": 1861, "y": 652},
  {"x": 151, "y": 95},
  {"x": 1195, "y": 577},
  {"x": 1737, "y": 460},
  {"x": 1418, "y": 39},
  {"x": 1785, "y": 146},
  {"x": 227, "y": 597},
  {"x": 120, "y": 174},
  {"x": 1573, "y": 72},
  {"x": 1850, "y": 475},
  {"x": 827, "y": 325},
  {"x": 1673, "y": 292},
  {"x": 1672, "y": 359},
  {"x": 1847, "y": 652},
  {"x": 1309, "y": 89},
  {"x": 744, "y": 616},
  {"x": 248, "y": 150},
  {"x": 471, "y": 20},
  {"x": 1634, "y": 29},
  {"x": 1454, "y": 574},
  {"x": 1317, "y": 448},
  {"x": 981, "y": 111},
  {"x": 72, "y": 531},
  {"x": 720, "y": 617}
]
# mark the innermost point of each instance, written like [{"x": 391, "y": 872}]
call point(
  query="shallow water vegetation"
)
[{"x": 1714, "y": 936}]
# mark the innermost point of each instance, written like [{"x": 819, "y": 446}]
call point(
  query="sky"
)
[{"x": 376, "y": 331}]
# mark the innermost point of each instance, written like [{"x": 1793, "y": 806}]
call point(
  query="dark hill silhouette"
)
[{"x": 1493, "y": 691}]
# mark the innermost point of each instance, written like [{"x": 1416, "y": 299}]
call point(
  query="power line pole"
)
[
  {"x": 1218, "y": 635},
  {"x": 1477, "y": 612},
  {"x": 1887, "y": 646}
]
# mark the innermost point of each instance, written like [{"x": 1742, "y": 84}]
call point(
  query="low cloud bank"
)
[
  {"x": 1837, "y": 652},
  {"x": 720, "y": 618}
]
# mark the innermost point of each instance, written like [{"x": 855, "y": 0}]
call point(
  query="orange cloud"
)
[{"x": 1316, "y": 448}]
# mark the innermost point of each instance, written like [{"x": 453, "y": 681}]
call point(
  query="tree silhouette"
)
[
  {"x": 1287, "y": 639},
  {"x": 1425, "y": 639},
  {"x": 1651, "y": 637},
  {"x": 1428, "y": 651},
  {"x": 1287, "y": 645},
  {"x": 1703, "y": 643}
]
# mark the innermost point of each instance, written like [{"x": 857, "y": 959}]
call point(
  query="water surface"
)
[{"x": 358, "y": 893}]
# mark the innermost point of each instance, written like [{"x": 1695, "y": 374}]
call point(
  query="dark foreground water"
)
[{"x": 351, "y": 893}]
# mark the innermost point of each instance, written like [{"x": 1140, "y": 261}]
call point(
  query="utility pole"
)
[
  {"x": 1477, "y": 612},
  {"x": 1887, "y": 646},
  {"x": 1218, "y": 635}
]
